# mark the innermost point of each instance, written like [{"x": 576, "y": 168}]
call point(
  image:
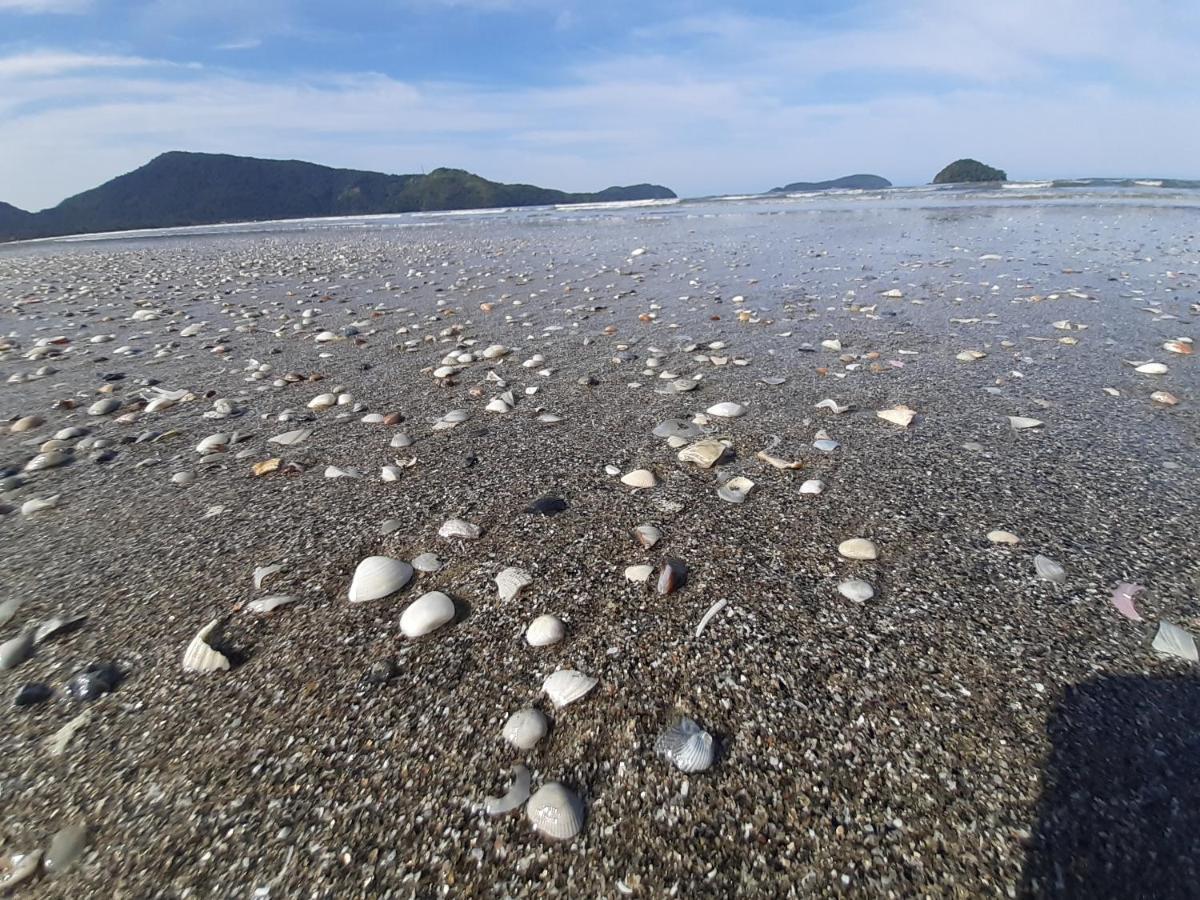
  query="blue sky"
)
[{"x": 706, "y": 98}]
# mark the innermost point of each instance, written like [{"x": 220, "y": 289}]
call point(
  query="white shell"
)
[
  {"x": 378, "y": 576},
  {"x": 390, "y": 473},
  {"x": 565, "y": 686},
  {"x": 426, "y": 562},
  {"x": 1049, "y": 569},
  {"x": 1003, "y": 537},
  {"x": 735, "y": 490},
  {"x": 544, "y": 631},
  {"x": 262, "y": 573},
  {"x": 525, "y": 728},
  {"x": 497, "y": 405},
  {"x": 833, "y": 406},
  {"x": 1174, "y": 641},
  {"x": 291, "y": 438},
  {"x": 511, "y": 581},
  {"x": 856, "y": 589},
  {"x": 639, "y": 478},
  {"x": 647, "y": 535},
  {"x": 267, "y": 604},
  {"x": 400, "y": 439},
  {"x": 687, "y": 745},
  {"x": 639, "y": 574},
  {"x": 897, "y": 415},
  {"x": 459, "y": 528},
  {"x": 51, "y": 459},
  {"x": 339, "y": 472},
  {"x": 704, "y": 454},
  {"x": 104, "y": 407},
  {"x": 427, "y": 613},
  {"x": 1152, "y": 368},
  {"x": 825, "y": 445},
  {"x": 200, "y": 657},
  {"x": 812, "y": 486},
  {"x": 1019, "y": 422},
  {"x": 555, "y": 812},
  {"x": 38, "y": 505},
  {"x": 514, "y": 798},
  {"x": 858, "y": 548},
  {"x": 214, "y": 443},
  {"x": 727, "y": 410}
]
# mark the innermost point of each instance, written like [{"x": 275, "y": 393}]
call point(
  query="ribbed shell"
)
[
  {"x": 378, "y": 576},
  {"x": 525, "y": 728},
  {"x": 688, "y": 746},
  {"x": 459, "y": 528},
  {"x": 556, "y": 812},
  {"x": 566, "y": 686},
  {"x": 704, "y": 454},
  {"x": 511, "y": 581},
  {"x": 1049, "y": 569},
  {"x": 427, "y": 613},
  {"x": 200, "y": 657}
]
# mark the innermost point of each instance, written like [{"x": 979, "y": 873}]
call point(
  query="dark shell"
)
[
  {"x": 33, "y": 693},
  {"x": 672, "y": 576},
  {"x": 96, "y": 679},
  {"x": 547, "y": 506}
]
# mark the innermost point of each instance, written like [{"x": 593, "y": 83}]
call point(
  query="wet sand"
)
[{"x": 900, "y": 747}]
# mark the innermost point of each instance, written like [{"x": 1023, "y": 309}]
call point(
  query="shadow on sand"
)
[{"x": 1120, "y": 812}]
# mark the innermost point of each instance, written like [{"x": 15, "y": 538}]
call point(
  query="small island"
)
[
  {"x": 967, "y": 170},
  {"x": 846, "y": 182}
]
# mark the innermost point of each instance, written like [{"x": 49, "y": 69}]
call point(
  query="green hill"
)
[
  {"x": 846, "y": 182},
  {"x": 965, "y": 170},
  {"x": 180, "y": 188}
]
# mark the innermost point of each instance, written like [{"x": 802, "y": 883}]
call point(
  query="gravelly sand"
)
[{"x": 900, "y": 747}]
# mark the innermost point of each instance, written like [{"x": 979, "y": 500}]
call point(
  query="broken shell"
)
[
  {"x": 1172, "y": 640},
  {"x": 555, "y": 812},
  {"x": 856, "y": 589},
  {"x": 705, "y": 454},
  {"x": 680, "y": 428},
  {"x": 36, "y": 504},
  {"x": 858, "y": 548},
  {"x": 1019, "y": 422},
  {"x": 1003, "y": 537},
  {"x": 514, "y": 798},
  {"x": 18, "y": 868},
  {"x": 833, "y": 406},
  {"x": 525, "y": 728},
  {"x": 727, "y": 410},
  {"x": 269, "y": 604},
  {"x": 639, "y": 478},
  {"x": 544, "y": 631},
  {"x": 777, "y": 462},
  {"x": 735, "y": 490},
  {"x": 897, "y": 415},
  {"x": 378, "y": 576},
  {"x": 1166, "y": 398},
  {"x": 688, "y": 746},
  {"x": 647, "y": 535},
  {"x": 565, "y": 686},
  {"x": 1049, "y": 569},
  {"x": 426, "y": 562},
  {"x": 459, "y": 528},
  {"x": 291, "y": 438},
  {"x": 639, "y": 574},
  {"x": 812, "y": 486},
  {"x": 671, "y": 576},
  {"x": 511, "y": 581},
  {"x": 200, "y": 656},
  {"x": 427, "y": 613},
  {"x": 262, "y": 573},
  {"x": 65, "y": 849}
]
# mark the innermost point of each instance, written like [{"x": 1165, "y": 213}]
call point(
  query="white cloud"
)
[
  {"x": 242, "y": 44},
  {"x": 45, "y": 6},
  {"x": 46, "y": 63}
]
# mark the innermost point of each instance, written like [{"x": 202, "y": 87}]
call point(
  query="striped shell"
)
[
  {"x": 459, "y": 528},
  {"x": 1049, "y": 569},
  {"x": 555, "y": 811},
  {"x": 688, "y": 746},
  {"x": 511, "y": 581},
  {"x": 378, "y": 576},
  {"x": 566, "y": 686},
  {"x": 200, "y": 656}
]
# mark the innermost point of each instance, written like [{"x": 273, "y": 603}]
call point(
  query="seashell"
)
[
  {"x": 266, "y": 466},
  {"x": 18, "y": 868},
  {"x": 565, "y": 686},
  {"x": 735, "y": 490},
  {"x": 200, "y": 656},
  {"x": 445, "y": 371},
  {"x": 390, "y": 473},
  {"x": 555, "y": 812},
  {"x": 262, "y": 573},
  {"x": 26, "y": 423},
  {"x": 291, "y": 438},
  {"x": 858, "y": 548},
  {"x": 514, "y": 798},
  {"x": 549, "y": 419},
  {"x": 427, "y": 613},
  {"x": 705, "y": 454},
  {"x": 51, "y": 459},
  {"x": 1166, "y": 398},
  {"x": 400, "y": 439},
  {"x": 1049, "y": 569},
  {"x": 339, "y": 472},
  {"x": 688, "y": 746},
  {"x": 544, "y": 631},
  {"x": 269, "y": 604},
  {"x": 525, "y": 728},
  {"x": 812, "y": 486},
  {"x": 833, "y": 406},
  {"x": 707, "y": 617},
  {"x": 9, "y": 608},
  {"x": 1019, "y": 422},
  {"x": 833, "y": 344},
  {"x": 65, "y": 848},
  {"x": 56, "y": 744},
  {"x": 639, "y": 574},
  {"x": 67, "y": 434},
  {"x": 459, "y": 528},
  {"x": 856, "y": 589},
  {"x": 426, "y": 562},
  {"x": 183, "y": 479},
  {"x": 16, "y": 650},
  {"x": 497, "y": 405},
  {"x": 104, "y": 407},
  {"x": 495, "y": 351},
  {"x": 511, "y": 581},
  {"x": 323, "y": 401},
  {"x": 1151, "y": 368},
  {"x": 639, "y": 478},
  {"x": 825, "y": 445},
  {"x": 1003, "y": 537},
  {"x": 1174, "y": 641},
  {"x": 681, "y": 428},
  {"x": 1183, "y": 347},
  {"x": 647, "y": 535},
  {"x": 377, "y": 577},
  {"x": 897, "y": 415},
  {"x": 57, "y": 625},
  {"x": 672, "y": 575},
  {"x": 372, "y": 419},
  {"x": 727, "y": 410},
  {"x": 970, "y": 355}
]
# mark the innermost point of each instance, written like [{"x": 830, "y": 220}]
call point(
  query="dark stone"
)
[
  {"x": 381, "y": 671},
  {"x": 547, "y": 506},
  {"x": 96, "y": 679},
  {"x": 33, "y": 693}
]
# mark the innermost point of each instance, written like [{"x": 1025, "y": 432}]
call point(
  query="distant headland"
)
[{"x": 846, "y": 182}]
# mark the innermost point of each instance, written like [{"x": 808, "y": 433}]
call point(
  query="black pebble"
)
[
  {"x": 33, "y": 693},
  {"x": 547, "y": 506},
  {"x": 96, "y": 679},
  {"x": 381, "y": 670}
]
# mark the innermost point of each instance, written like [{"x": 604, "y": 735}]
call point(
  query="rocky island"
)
[
  {"x": 846, "y": 182},
  {"x": 967, "y": 170}
]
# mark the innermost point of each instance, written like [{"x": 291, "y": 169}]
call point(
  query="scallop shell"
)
[
  {"x": 1049, "y": 569},
  {"x": 378, "y": 576},
  {"x": 511, "y": 581},
  {"x": 525, "y": 728},
  {"x": 727, "y": 410},
  {"x": 514, "y": 798},
  {"x": 858, "y": 548},
  {"x": 639, "y": 478},
  {"x": 544, "y": 631},
  {"x": 856, "y": 589},
  {"x": 200, "y": 656},
  {"x": 459, "y": 528},
  {"x": 704, "y": 454},
  {"x": 688, "y": 746},
  {"x": 735, "y": 490},
  {"x": 400, "y": 439},
  {"x": 565, "y": 686},
  {"x": 427, "y": 613},
  {"x": 555, "y": 811}
]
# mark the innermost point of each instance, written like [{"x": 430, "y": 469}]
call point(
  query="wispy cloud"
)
[
  {"x": 49, "y": 63},
  {"x": 242, "y": 44},
  {"x": 57, "y": 7}
]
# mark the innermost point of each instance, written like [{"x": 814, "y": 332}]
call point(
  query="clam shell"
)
[
  {"x": 426, "y": 562},
  {"x": 639, "y": 478},
  {"x": 688, "y": 746},
  {"x": 727, "y": 410},
  {"x": 812, "y": 486},
  {"x": 51, "y": 459},
  {"x": 555, "y": 811},
  {"x": 26, "y": 423},
  {"x": 36, "y": 504},
  {"x": 1019, "y": 422},
  {"x": 704, "y": 454},
  {"x": 427, "y": 613},
  {"x": 16, "y": 650},
  {"x": 544, "y": 631},
  {"x": 459, "y": 528},
  {"x": 511, "y": 581},
  {"x": 214, "y": 443},
  {"x": 514, "y": 798},
  {"x": 858, "y": 548},
  {"x": 735, "y": 490},
  {"x": 1049, "y": 569},
  {"x": 1174, "y": 641},
  {"x": 65, "y": 849},
  {"x": 291, "y": 438},
  {"x": 1003, "y": 537},
  {"x": 856, "y": 589},
  {"x": 647, "y": 535},
  {"x": 525, "y": 728},
  {"x": 1151, "y": 368},
  {"x": 400, "y": 439},
  {"x": 672, "y": 576},
  {"x": 200, "y": 656},
  {"x": 378, "y": 576},
  {"x": 681, "y": 428},
  {"x": 565, "y": 686},
  {"x": 104, "y": 407}
]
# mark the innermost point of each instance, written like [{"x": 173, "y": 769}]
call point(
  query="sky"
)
[{"x": 705, "y": 98}]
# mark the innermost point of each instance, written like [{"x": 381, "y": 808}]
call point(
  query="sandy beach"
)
[{"x": 973, "y": 729}]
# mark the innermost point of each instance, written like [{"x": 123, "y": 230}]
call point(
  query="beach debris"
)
[
  {"x": 1003, "y": 537},
  {"x": 897, "y": 415},
  {"x": 1017, "y": 423},
  {"x": 511, "y": 581},
  {"x": 16, "y": 650},
  {"x": 266, "y": 466},
  {"x": 292, "y": 438},
  {"x": 639, "y": 574},
  {"x": 647, "y": 535},
  {"x": 1122, "y": 599},
  {"x": 639, "y": 478},
  {"x": 565, "y": 686},
  {"x": 726, "y": 410},
  {"x": 686, "y": 745},
  {"x": 525, "y": 728},
  {"x": 555, "y": 812},
  {"x": 377, "y": 577},
  {"x": 459, "y": 528},
  {"x": 65, "y": 848},
  {"x": 271, "y": 603},
  {"x": 856, "y": 589},
  {"x": 17, "y": 868},
  {"x": 200, "y": 656},
  {"x": 672, "y": 575},
  {"x": 426, "y": 614},
  {"x": 707, "y": 617},
  {"x": 735, "y": 490},
  {"x": 1172, "y": 640},
  {"x": 547, "y": 506},
  {"x": 544, "y": 631},
  {"x": 1049, "y": 569},
  {"x": 56, "y": 744},
  {"x": 93, "y": 682},
  {"x": 704, "y": 454},
  {"x": 427, "y": 562},
  {"x": 858, "y": 548},
  {"x": 514, "y": 798}
]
